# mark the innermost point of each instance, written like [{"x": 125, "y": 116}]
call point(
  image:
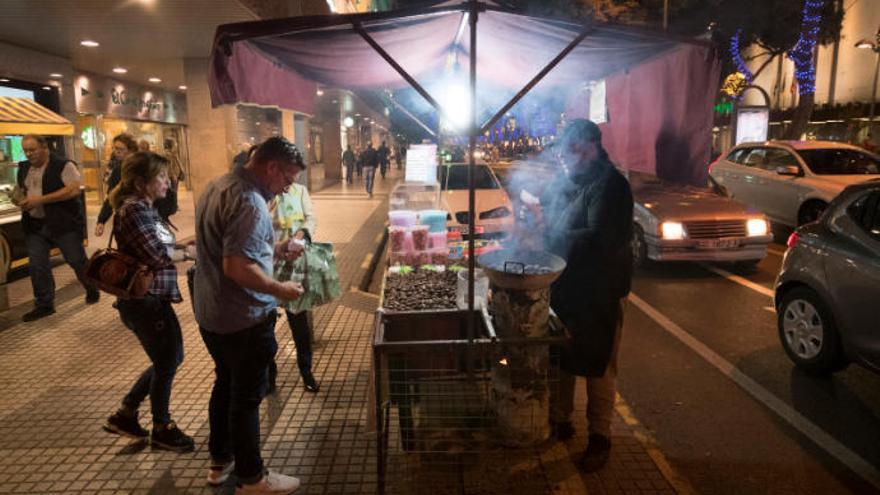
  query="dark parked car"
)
[{"x": 828, "y": 291}]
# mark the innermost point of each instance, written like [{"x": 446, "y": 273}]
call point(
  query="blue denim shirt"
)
[{"x": 232, "y": 219}]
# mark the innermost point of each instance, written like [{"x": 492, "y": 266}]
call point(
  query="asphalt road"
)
[{"x": 703, "y": 370}]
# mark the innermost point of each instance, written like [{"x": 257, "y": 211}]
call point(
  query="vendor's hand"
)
[
  {"x": 289, "y": 291},
  {"x": 99, "y": 229},
  {"x": 30, "y": 203}
]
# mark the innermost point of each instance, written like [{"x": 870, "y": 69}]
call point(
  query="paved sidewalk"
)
[{"x": 61, "y": 376}]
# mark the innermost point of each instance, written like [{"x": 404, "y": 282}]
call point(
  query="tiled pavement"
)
[{"x": 60, "y": 377}]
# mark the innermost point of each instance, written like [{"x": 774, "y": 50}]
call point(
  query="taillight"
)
[{"x": 793, "y": 240}]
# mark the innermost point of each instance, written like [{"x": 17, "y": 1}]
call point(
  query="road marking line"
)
[
  {"x": 739, "y": 280},
  {"x": 821, "y": 438},
  {"x": 367, "y": 259},
  {"x": 776, "y": 251},
  {"x": 678, "y": 482},
  {"x": 770, "y": 309}
]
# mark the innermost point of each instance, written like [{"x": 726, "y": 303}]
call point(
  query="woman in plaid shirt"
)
[{"x": 142, "y": 234}]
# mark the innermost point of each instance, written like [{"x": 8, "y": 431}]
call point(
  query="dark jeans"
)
[
  {"x": 300, "y": 329},
  {"x": 349, "y": 173},
  {"x": 39, "y": 242},
  {"x": 371, "y": 176},
  {"x": 155, "y": 325},
  {"x": 241, "y": 360},
  {"x": 383, "y": 167}
]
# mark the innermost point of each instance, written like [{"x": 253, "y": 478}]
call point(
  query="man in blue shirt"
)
[{"x": 235, "y": 300}]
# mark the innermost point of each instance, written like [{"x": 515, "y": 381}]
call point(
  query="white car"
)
[{"x": 792, "y": 181}]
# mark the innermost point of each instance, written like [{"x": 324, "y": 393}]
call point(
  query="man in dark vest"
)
[
  {"x": 587, "y": 213},
  {"x": 52, "y": 215}
]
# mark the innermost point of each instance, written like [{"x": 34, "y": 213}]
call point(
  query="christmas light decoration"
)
[
  {"x": 802, "y": 53},
  {"x": 736, "y": 55}
]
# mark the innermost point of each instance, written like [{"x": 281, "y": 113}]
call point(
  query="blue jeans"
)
[
  {"x": 39, "y": 243},
  {"x": 241, "y": 361},
  {"x": 155, "y": 324},
  {"x": 300, "y": 330},
  {"x": 371, "y": 175}
]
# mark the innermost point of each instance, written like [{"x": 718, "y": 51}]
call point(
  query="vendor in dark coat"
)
[{"x": 587, "y": 217}]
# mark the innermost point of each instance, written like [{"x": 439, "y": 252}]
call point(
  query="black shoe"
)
[
  {"x": 125, "y": 425},
  {"x": 169, "y": 437},
  {"x": 37, "y": 313},
  {"x": 562, "y": 430},
  {"x": 310, "y": 384},
  {"x": 597, "y": 454},
  {"x": 92, "y": 296}
]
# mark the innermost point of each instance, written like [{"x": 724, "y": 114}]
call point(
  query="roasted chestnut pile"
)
[{"x": 419, "y": 291}]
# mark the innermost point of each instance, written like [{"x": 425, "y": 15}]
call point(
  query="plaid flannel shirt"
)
[{"x": 135, "y": 230}]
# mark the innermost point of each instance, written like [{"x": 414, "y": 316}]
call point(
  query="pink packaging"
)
[
  {"x": 438, "y": 240},
  {"x": 420, "y": 237}
]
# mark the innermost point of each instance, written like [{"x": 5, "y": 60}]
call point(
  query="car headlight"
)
[
  {"x": 756, "y": 227},
  {"x": 672, "y": 230},
  {"x": 499, "y": 212}
]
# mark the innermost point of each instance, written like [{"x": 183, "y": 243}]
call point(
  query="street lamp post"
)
[{"x": 874, "y": 46}]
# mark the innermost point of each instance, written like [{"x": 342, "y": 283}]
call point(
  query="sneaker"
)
[
  {"x": 562, "y": 430},
  {"x": 126, "y": 426},
  {"x": 597, "y": 454},
  {"x": 219, "y": 473},
  {"x": 169, "y": 437},
  {"x": 92, "y": 296},
  {"x": 272, "y": 484},
  {"x": 37, "y": 313},
  {"x": 310, "y": 384}
]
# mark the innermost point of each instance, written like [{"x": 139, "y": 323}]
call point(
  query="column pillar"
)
[{"x": 210, "y": 147}]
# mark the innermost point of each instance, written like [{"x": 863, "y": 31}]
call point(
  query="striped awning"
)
[{"x": 25, "y": 116}]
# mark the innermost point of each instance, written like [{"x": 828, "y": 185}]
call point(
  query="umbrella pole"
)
[{"x": 472, "y": 138}]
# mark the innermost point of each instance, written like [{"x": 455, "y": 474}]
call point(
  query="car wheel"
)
[
  {"x": 639, "y": 248},
  {"x": 808, "y": 333},
  {"x": 5, "y": 259},
  {"x": 810, "y": 212}
]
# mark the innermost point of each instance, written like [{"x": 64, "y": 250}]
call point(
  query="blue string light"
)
[
  {"x": 802, "y": 53},
  {"x": 736, "y": 55}
]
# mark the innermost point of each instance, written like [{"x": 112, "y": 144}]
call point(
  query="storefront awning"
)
[{"x": 25, "y": 116}]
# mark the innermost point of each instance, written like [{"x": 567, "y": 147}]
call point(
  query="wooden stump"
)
[{"x": 520, "y": 392}]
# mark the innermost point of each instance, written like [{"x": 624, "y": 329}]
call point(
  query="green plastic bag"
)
[{"x": 315, "y": 269}]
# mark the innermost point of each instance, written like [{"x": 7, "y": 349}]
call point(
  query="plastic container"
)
[
  {"x": 434, "y": 219},
  {"x": 481, "y": 289},
  {"x": 420, "y": 258},
  {"x": 402, "y": 218},
  {"x": 437, "y": 240},
  {"x": 439, "y": 256},
  {"x": 397, "y": 238},
  {"x": 419, "y": 237}
]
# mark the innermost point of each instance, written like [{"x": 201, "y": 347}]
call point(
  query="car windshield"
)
[
  {"x": 831, "y": 161},
  {"x": 455, "y": 177}
]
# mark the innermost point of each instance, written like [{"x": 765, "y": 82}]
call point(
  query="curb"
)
[{"x": 367, "y": 278}]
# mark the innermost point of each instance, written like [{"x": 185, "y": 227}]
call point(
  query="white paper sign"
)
[
  {"x": 598, "y": 107},
  {"x": 752, "y": 125},
  {"x": 421, "y": 163}
]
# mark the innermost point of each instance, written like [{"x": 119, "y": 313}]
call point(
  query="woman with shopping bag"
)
[{"x": 293, "y": 219}]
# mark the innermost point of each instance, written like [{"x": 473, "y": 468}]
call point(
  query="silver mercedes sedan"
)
[
  {"x": 674, "y": 222},
  {"x": 828, "y": 291}
]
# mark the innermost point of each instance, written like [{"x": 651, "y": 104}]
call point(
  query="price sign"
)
[{"x": 421, "y": 163}]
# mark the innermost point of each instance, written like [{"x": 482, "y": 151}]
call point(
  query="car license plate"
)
[{"x": 717, "y": 243}]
